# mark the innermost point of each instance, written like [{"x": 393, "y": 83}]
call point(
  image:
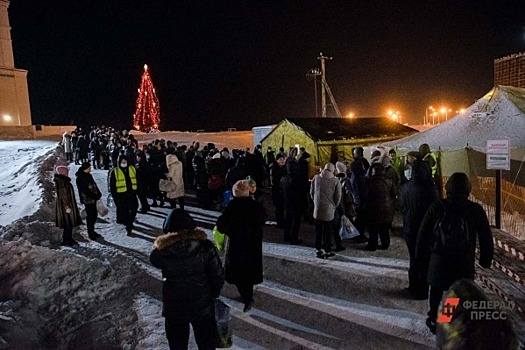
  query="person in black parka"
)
[
  {"x": 193, "y": 278},
  {"x": 415, "y": 196},
  {"x": 242, "y": 222},
  {"x": 89, "y": 195},
  {"x": 293, "y": 208},
  {"x": 446, "y": 268}
]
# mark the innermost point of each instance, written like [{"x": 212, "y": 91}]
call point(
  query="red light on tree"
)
[{"x": 147, "y": 113}]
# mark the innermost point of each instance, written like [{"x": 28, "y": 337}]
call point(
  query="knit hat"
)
[
  {"x": 458, "y": 185},
  {"x": 178, "y": 220},
  {"x": 62, "y": 170},
  {"x": 341, "y": 167},
  {"x": 241, "y": 189},
  {"x": 84, "y": 166},
  {"x": 329, "y": 167}
]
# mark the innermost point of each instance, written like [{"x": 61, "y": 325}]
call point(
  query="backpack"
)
[{"x": 451, "y": 233}]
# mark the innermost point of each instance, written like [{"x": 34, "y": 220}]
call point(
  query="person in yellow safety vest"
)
[
  {"x": 428, "y": 156},
  {"x": 123, "y": 188}
]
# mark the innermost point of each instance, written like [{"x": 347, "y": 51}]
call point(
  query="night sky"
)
[{"x": 220, "y": 64}]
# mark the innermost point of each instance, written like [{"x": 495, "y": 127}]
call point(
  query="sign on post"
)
[{"x": 498, "y": 154}]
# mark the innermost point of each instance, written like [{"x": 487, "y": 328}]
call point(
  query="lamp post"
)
[
  {"x": 445, "y": 111},
  {"x": 429, "y": 108}
]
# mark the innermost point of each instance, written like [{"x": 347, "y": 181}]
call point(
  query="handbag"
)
[
  {"x": 167, "y": 185},
  {"x": 347, "y": 230},
  {"x": 223, "y": 322},
  {"x": 101, "y": 208}
]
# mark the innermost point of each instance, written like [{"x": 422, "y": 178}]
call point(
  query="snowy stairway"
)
[{"x": 331, "y": 303}]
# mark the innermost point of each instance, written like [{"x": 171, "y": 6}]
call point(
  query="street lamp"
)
[
  {"x": 395, "y": 115},
  {"x": 350, "y": 115},
  {"x": 445, "y": 111}
]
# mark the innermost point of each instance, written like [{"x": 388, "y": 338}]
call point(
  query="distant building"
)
[
  {"x": 510, "y": 70},
  {"x": 14, "y": 95}
]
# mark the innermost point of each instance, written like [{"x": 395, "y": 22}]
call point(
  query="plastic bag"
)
[
  {"x": 219, "y": 239},
  {"x": 224, "y": 325},
  {"x": 347, "y": 229},
  {"x": 101, "y": 208}
]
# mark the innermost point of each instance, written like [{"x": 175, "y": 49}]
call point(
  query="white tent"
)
[{"x": 499, "y": 115}]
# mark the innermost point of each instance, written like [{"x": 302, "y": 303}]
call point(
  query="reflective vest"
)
[
  {"x": 120, "y": 179},
  {"x": 435, "y": 166}
]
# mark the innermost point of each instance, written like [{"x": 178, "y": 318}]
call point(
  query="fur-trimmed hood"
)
[{"x": 171, "y": 238}]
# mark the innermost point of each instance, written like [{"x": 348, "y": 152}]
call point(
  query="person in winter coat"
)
[
  {"x": 456, "y": 261},
  {"x": 291, "y": 189},
  {"x": 201, "y": 181},
  {"x": 95, "y": 151},
  {"x": 379, "y": 198},
  {"x": 82, "y": 149},
  {"x": 346, "y": 200},
  {"x": 66, "y": 209},
  {"x": 325, "y": 192},
  {"x": 68, "y": 146},
  {"x": 89, "y": 195},
  {"x": 123, "y": 188},
  {"x": 415, "y": 196},
  {"x": 175, "y": 174},
  {"x": 242, "y": 221},
  {"x": 277, "y": 171},
  {"x": 304, "y": 176},
  {"x": 358, "y": 170},
  {"x": 239, "y": 171},
  {"x": 144, "y": 175},
  {"x": 193, "y": 278}
]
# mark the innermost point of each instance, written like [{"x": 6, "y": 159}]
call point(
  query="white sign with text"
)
[{"x": 498, "y": 154}]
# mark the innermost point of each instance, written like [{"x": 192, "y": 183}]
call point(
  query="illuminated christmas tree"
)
[{"x": 147, "y": 113}]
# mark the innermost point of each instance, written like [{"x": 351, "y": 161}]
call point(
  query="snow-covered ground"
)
[{"x": 106, "y": 295}]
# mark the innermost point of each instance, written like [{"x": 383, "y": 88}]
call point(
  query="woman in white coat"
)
[{"x": 175, "y": 174}]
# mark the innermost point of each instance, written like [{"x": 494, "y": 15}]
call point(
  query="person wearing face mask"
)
[
  {"x": 89, "y": 194},
  {"x": 123, "y": 188}
]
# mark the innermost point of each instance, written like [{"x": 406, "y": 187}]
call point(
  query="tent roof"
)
[
  {"x": 499, "y": 115},
  {"x": 328, "y": 129}
]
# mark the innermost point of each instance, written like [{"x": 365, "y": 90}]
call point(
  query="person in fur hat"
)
[
  {"x": 66, "y": 209},
  {"x": 193, "y": 278},
  {"x": 242, "y": 221}
]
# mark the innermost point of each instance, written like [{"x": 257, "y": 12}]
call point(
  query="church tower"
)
[{"x": 14, "y": 95}]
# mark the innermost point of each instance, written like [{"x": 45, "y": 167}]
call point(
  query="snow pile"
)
[
  {"x": 20, "y": 180},
  {"x": 60, "y": 298}
]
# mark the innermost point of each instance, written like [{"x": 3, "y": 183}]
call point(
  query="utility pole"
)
[
  {"x": 323, "y": 82},
  {"x": 313, "y": 74}
]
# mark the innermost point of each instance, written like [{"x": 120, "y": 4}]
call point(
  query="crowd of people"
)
[{"x": 367, "y": 192}]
